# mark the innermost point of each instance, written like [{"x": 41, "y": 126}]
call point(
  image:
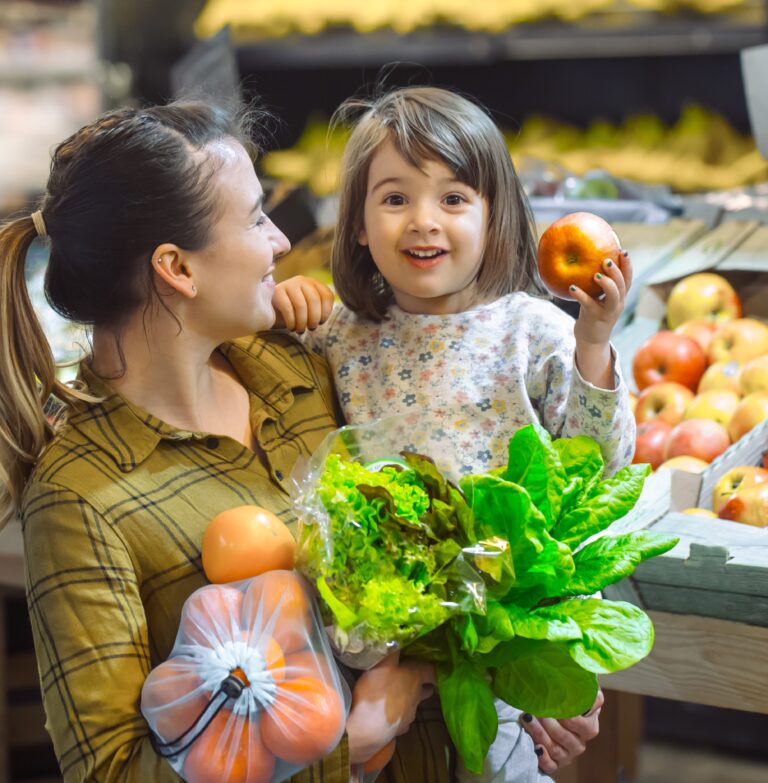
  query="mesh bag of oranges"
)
[{"x": 250, "y": 693}]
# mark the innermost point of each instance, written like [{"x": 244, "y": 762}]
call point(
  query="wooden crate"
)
[{"x": 719, "y": 569}]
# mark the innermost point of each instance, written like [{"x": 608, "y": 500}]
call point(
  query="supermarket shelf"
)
[{"x": 646, "y": 35}]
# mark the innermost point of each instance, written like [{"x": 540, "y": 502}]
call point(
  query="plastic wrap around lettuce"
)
[{"x": 489, "y": 578}]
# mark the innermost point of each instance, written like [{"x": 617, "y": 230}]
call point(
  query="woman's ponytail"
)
[{"x": 27, "y": 371}]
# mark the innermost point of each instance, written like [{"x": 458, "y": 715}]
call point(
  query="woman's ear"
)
[
  {"x": 170, "y": 264},
  {"x": 362, "y": 237}
]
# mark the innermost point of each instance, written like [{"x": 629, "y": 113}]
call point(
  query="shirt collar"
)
[{"x": 129, "y": 434}]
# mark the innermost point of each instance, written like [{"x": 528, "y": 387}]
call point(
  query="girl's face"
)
[
  {"x": 233, "y": 273},
  {"x": 425, "y": 231}
]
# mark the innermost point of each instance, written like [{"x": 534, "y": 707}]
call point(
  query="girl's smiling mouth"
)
[{"x": 423, "y": 257}]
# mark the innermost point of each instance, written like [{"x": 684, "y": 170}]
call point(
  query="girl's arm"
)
[{"x": 596, "y": 321}]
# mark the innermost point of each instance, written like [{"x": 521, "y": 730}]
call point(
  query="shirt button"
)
[
  {"x": 279, "y": 475},
  {"x": 212, "y": 443}
]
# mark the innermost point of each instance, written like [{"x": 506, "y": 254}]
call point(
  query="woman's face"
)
[{"x": 233, "y": 273}]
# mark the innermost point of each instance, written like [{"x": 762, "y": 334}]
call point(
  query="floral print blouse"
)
[{"x": 474, "y": 378}]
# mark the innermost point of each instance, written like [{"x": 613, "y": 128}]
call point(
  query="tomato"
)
[
  {"x": 230, "y": 750},
  {"x": 244, "y": 542},
  {"x": 171, "y": 699},
  {"x": 276, "y": 601},
  {"x": 212, "y": 615},
  {"x": 305, "y": 722}
]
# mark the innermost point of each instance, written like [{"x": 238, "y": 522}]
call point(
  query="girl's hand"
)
[
  {"x": 596, "y": 321},
  {"x": 559, "y": 742},
  {"x": 384, "y": 703},
  {"x": 301, "y": 303},
  {"x": 598, "y": 317}
]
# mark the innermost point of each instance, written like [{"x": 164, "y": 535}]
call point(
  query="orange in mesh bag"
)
[{"x": 250, "y": 693}]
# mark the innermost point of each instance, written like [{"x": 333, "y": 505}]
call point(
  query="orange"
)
[
  {"x": 171, "y": 700},
  {"x": 305, "y": 722},
  {"x": 230, "y": 750},
  {"x": 244, "y": 542},
  {"x": 211, "y": 614},
  {"x": 380, "y": 758},
  {"x": 276, "y": 601}
]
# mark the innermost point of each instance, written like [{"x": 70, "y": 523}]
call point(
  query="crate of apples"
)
[{"x": 702, "y": 381}]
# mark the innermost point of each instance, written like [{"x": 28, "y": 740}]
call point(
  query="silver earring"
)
[{"x": 194, "y": 289}]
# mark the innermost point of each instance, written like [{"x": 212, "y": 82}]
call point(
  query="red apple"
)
[
  {"x": 632, "y": 401},
  {"x": 754, "y": 376},
  {"x": 687, "y": 464},
  {"x": 721, "y": 375},
  {"x": 666, "y": 356},
  {"x": 651, "y": 442},
  {"x": 735, "y": 481},
  {"x": 702, "y": 438},
  {"x": 704, "y": 296},
  {"x": 718, "y": 405},
  {"x": 572, "y": 251},
  {"x": 699, "y": 330},
  {"x": 664, "y": 401},
  {"x": 749, "y": 507},
  {"x": 749, "y": 413},
  {"x": 739, "y": 341}
]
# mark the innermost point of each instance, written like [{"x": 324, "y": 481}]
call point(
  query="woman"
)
[{"x": 159, "y": 242}]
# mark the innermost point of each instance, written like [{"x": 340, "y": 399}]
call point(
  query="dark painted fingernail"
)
[
  {"x": 609, "y": 263},
  {"x": 598, "y": 276},
  {"x": 573, "y": 288},
  {"x": 584, "y": 714},
  {"x": 527, "y": 717},
  {"x": 538, "y": 750},
  {"x": 625, "y": 252}
]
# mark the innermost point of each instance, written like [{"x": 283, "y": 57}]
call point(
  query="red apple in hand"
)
[
  {"x": 735, "y": 481},
  {"x": 702, "y": 438},
  {"x": 666, "y": 356},
  {"x": 749, "y": 507},
  {"x": 664, "y": 401},
  {"x": 702, "y": 296},
  {"x": 651, "y": 442},
  {"x": 572, "y": 251},
  {"x": 739, "y": 341}
]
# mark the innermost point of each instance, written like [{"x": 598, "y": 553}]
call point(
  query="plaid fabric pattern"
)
[{"x": 113, "y": 518}]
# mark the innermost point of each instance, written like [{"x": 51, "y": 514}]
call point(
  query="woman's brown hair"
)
[
  {"x": 430, "y": 123},
  {"x": 117, "y": 189}
]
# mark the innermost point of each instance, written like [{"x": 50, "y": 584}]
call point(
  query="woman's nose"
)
[{"x": 280, "y": 243}]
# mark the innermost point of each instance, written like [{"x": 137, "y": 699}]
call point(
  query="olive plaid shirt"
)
[{"x": 113, "y": 517}]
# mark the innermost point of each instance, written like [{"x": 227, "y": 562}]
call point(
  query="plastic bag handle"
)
[{"x": 231, "y": 687}]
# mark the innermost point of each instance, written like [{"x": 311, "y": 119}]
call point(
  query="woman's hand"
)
[
  {"x": 384, "y": 703},
  {"x": 301, "y": 303},
  {"x": 596, "y": 320},
  {"x": 559, "y": 742}
]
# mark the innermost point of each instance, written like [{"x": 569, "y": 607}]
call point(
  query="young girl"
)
[{"x": 435, "y": 262}]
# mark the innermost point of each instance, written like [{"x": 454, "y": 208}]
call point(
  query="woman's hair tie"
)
[{"x": 37, "y": 219}]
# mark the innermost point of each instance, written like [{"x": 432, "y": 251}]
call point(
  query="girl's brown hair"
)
[
  {"x": 117, "y": 189},
  {"x": 429, "y": 123}
]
